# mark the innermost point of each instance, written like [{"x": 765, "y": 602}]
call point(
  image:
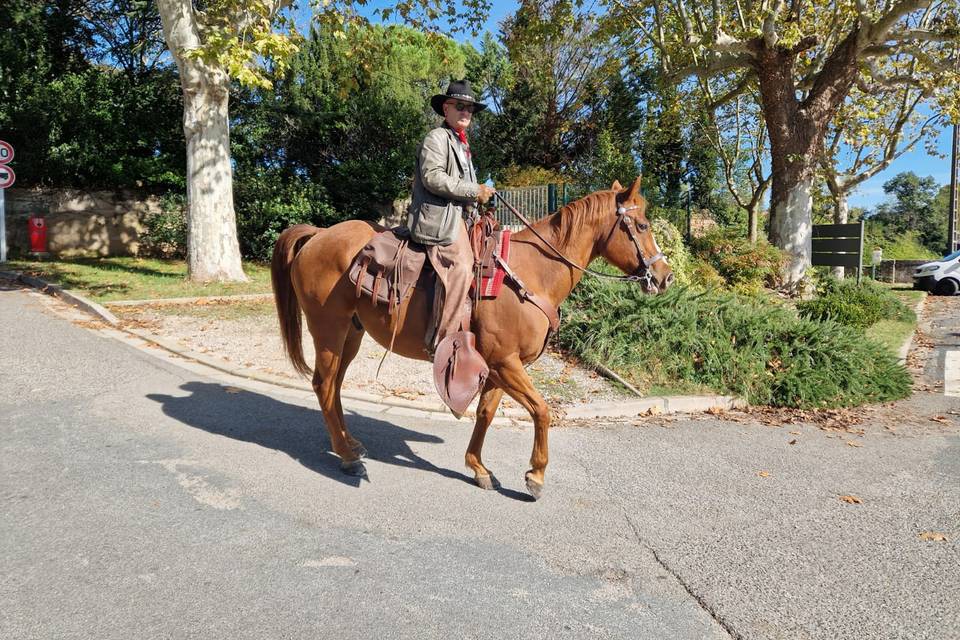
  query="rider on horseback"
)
[{"x": 445, "y": 188}]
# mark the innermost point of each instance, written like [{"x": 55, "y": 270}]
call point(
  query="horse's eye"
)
[{"x": 642, "y": 226}]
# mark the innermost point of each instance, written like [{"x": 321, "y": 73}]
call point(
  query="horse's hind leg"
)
[
  {"x": 351, "y": 346},
  {"x": 329, "y": 339},
  {"x": 486, "y": 409}
]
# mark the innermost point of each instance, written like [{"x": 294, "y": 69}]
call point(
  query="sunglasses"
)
[{"x": 462, "y": 106}]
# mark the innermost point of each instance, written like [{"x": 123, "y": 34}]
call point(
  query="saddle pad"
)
[{"x": 491, "y": 280}]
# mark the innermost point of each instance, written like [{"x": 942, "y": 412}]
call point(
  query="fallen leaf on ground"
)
[
  {"x": 716, "y": 411},
  {"x": 653, "y": 411},
  {"x": 794, "y": 433},
  {"x": 764, "y": 474},
  {"x": 940, "y": 419},
  {"x": 232, "y": 389},
  {"x": 851, "y": 443},
  {"x": 851, "y": 499},
  {"x": 794, "y": 441},
  {"x": 932, "y": 536}
]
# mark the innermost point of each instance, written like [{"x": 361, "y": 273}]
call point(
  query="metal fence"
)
[{"x": 533, "y": 202}]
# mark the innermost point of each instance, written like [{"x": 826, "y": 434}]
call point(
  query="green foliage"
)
[
  {"x": 515, "y": 176},
  {"x": 350, "y": 124},
  {"x": 607, "y": 162},
  {"x": 895, "y": 246},
  {"x": 267, "y": 203},
  {"x": 166, "y": 230},
  {"x": 854, "y": 305},
  {"x": 913, "y": 205},
  {"x": 76, "y": 124},
  {"x": 728, "y": 343},
  {"x": 671, "y": 244},
  {"x": 744, "y": 267}
]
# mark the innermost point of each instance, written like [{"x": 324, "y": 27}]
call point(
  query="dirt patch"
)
[{"x": 246, "y": 334}]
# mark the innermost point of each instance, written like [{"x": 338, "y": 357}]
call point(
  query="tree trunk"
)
[
  {"x": 796, "y": 131},
  {"x": 213, "y": 250},
  {"x": 791, "y": 226},
  {"x": 841, "y": 213},
  {"x": 752, "y": 222}
]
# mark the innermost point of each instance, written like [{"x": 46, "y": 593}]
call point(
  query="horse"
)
[{"x": 309, "y": 272}]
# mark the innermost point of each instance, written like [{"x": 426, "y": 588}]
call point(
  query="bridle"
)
[{"x": 645, "y": 278}]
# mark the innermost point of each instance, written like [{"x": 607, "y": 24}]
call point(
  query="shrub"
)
[
  {"x": 268, "y": 203},
  {"x": 854, "y": 305},
  {"x": 671, "y": 243},
  {"x": 166, "y": 230},
  {"x": 729, "y": 343},
  {"x": 744, "y": 267}
]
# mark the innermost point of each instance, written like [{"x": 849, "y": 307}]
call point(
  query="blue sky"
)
[{"x": 868, "y": 195}]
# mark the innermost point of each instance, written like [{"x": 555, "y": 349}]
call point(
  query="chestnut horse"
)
[{"x": 309, "y": 273}]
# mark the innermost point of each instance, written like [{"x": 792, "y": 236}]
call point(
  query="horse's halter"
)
[
  {"x": 645, "y": 278},
  {"x": 646, "y": 275}
]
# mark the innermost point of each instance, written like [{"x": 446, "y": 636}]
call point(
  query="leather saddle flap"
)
[
  {"x": 459, "y": 371},
  {"x": 387, "y": 269}
]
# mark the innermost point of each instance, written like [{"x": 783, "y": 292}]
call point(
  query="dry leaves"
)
[
  {"x": 764, "y": 474},
  {"x": 851, "y": 499},
  {"x": 794, "y": 441},
  {"x": 407, "y": 394},
  {"x": 232, "y": 389},
  {"x": 932, "y": 536},
  {"x": 940, "y": 419},
  {"x": 851, "y": 443}
]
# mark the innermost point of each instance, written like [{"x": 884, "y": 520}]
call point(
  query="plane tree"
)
[{"x": 804, "y": 58}]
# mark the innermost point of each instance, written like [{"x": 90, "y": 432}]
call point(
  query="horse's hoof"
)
[
  {"x": 354, "y": 468},
  {"x": 485, "y": 482},
  {"x": 535, "y": 488},
  {"x": 359, "y": 450}
]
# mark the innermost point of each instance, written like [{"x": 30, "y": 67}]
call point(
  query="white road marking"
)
[{"x": 951, "y": 374}]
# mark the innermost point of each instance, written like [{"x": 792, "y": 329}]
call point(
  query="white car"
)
[{"x": 942, "y": 277}]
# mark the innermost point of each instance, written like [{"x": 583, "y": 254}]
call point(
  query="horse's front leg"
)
[
  {"x": 486, "y": 409},
  {"x": 515, "y": 381}
]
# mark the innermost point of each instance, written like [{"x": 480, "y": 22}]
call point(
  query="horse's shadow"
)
[{"x": 297, "y": 431}]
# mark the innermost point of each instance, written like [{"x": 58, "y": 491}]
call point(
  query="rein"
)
[{"x": 621, "y": 219}]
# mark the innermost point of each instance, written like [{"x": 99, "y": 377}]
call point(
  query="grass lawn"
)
[
  {"x": 127, "y": 278},
  {"x": 891, "y": 333}
]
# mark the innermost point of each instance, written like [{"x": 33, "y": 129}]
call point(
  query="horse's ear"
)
[
  {"x": 635, "y": 187},
  {"x": 616, "y": 186}
]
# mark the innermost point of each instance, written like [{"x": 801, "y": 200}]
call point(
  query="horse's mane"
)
[{"x": 585, "y": 212}]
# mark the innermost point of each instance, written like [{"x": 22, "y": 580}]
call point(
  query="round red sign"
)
[
  {"x": 7, "y": 177},
  {"x": 6, "y": 152}
]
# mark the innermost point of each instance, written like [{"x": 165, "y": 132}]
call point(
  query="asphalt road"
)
[{"x": 142, "y": 499}]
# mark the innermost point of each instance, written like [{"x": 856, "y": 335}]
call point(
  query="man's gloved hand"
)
[{"x": 484, "y": 193}]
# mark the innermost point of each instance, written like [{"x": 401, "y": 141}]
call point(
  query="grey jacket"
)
[{"x": 443, "y": 183}]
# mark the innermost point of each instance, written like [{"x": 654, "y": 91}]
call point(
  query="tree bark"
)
[
  {"x": 213, "y": 250},
  {"x": 796, "y": 131}
]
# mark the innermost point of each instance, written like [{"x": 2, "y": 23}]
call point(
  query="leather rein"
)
[{"x": 645, "y": 277}]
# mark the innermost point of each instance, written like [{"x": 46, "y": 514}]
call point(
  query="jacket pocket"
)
[{"x": 433, "y": 223}]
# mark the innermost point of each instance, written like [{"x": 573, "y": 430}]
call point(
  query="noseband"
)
[
  {"x": 646, "y": 275},
  {"x": 645, "y": 278}
]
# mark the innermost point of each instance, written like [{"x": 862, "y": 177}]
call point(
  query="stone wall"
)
[
  {"x": 100, "y": 223},
  {"x": 896, "y": 270}
]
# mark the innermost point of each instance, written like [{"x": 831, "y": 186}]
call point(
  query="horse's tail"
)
[{"x": 288, "y": 307}]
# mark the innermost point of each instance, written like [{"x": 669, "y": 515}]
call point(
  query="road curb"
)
[
  {"x": 432, "y": 410},
  {"x": 908, "y": 343}
]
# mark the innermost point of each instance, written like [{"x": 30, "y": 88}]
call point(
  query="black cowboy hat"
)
[{"x": 458, "y": 90}]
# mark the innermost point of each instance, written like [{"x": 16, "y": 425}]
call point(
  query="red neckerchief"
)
[{"x": 462, "y": 135}]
